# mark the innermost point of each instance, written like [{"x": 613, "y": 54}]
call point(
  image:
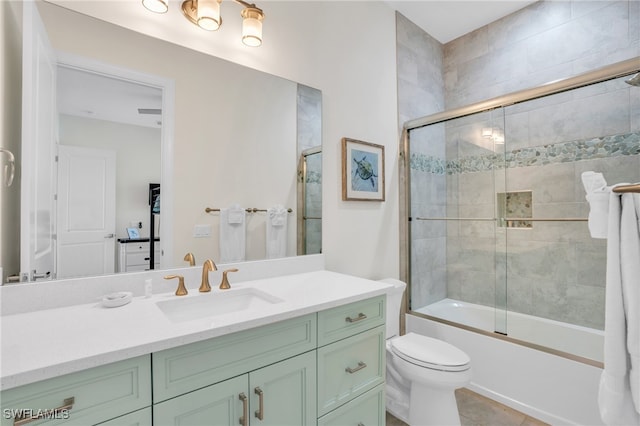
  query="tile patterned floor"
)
[{"x": 477, "y": 410}]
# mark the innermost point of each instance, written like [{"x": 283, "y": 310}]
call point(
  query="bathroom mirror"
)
[{"x": 236, "y": 137}]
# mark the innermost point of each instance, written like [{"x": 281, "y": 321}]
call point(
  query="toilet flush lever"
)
[{"x": 360, "y": 317}]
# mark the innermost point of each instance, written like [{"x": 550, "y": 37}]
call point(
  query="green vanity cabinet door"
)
[
  {"x": 83, "y": 398},
  {"x": 344, "y": 321},
  {"x": 137, "y": 418},
  {"x": 349, "y": 368},
  {"x": 219, "y": 404},
  {"x": 366, "y": 410},
  {"x": 287, "y": 390}
]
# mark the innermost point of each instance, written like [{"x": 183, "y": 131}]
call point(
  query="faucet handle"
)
[
  {"x": 224, "y": 285},
  {"x": 181, "y": 290}
]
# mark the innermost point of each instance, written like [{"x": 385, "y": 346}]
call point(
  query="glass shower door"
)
[
  {"x": 310, "y": 194},
  {"x": 457, "y": 251}
]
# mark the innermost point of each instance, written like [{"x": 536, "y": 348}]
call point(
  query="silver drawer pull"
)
[
  {"x": 67, "y": 405},
  {"x": 360, "y": 366},
  {"x": 244, "y": 420},
  {"x": 360, "y": 317}
]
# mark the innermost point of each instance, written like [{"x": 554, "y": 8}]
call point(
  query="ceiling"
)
[{"x": 446, "y": 20}]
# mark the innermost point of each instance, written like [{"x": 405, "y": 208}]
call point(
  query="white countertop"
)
[{"x": 47, "y": 343}]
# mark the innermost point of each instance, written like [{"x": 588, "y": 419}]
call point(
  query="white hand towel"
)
[
  {"x": 276, "y": 232},
  {"x": 232, "y": 234},
  {"x": 619, "y": 395},
  {"x": 598, "y": 197}
]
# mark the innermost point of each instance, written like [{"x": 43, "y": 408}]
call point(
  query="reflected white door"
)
[
  {"x": 37, "y": 205},
  {"x": 86, "y": 211}
]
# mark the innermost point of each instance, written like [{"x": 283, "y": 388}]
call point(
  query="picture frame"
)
[
  {"x": 133, "y": 233},
  {"x": 362, "y": 171}
]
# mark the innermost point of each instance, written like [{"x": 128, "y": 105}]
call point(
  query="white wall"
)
[
  {"x": 10, "y": 119},
  {"x": 347, "y": 50}
]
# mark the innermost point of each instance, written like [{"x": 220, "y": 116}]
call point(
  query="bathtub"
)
[
  {"x": 550, "y": 385},
  {"x": 572, "y": 339}
]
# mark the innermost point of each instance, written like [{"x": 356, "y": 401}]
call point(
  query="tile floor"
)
[{"x": 477, "y": 410}]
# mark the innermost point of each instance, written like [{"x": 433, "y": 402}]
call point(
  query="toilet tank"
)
[{"x": 394, "y": 303}]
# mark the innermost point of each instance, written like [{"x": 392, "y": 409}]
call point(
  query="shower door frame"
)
[{"x": 609, "y": 72}]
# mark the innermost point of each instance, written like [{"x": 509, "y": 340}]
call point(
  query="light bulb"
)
[{"x": 209, "y": 15}]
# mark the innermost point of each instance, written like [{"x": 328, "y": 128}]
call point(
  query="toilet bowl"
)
[{"x": 422, "y": 372}]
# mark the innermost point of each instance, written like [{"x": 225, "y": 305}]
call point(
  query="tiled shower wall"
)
[
  {"x": 420, "y": 93},
  {"x": 555, "y": 269}
]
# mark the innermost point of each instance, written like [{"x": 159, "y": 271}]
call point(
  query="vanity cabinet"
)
[
  {"x": 134, "y": 255},
  {"x": 280, "y": 394},
  {"x": 323, "y": 368},
  {"x": 87, "y": 397}
]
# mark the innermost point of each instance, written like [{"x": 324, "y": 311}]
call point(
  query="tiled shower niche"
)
[{"x": 513, "y": 208}]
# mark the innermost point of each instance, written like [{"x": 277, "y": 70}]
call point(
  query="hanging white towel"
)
[
  {"x": 598, "y": 197},
  {"x": 232, "y": 234},
  {"x": 619, "y": 397},
  {"x": 276, "y": 232}
]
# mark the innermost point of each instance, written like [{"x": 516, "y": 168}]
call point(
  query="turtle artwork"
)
[{"x": 364, "y": 176}]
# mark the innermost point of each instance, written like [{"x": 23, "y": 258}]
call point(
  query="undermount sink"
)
[{"x": 216, "y": 303}]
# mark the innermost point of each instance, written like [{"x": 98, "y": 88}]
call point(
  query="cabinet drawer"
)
[
  {"x": 99, "y": 394},
  {"x": 185, "y": 368},
  {"x": 367, "y": 410},
  {"x": 137, "y": 247},
  {"x": 344, "y": 321},
  {"x": 349, "y": 368},
  {"x": 137, "y": 418},
  {"x": 141, "y": 258}
]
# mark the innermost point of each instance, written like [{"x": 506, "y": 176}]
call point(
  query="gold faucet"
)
[
  {"x": 224, "y": 285},
  {"x": 189, "y": 257},
  {"x": 207, "y": 267},
  {"x": 181, "y": 290}
]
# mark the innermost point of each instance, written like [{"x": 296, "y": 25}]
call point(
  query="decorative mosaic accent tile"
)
[
  {"x": 428, "y": 163},
  {"x": 565, "y": 152},
  {"x": 314, "y": 176}
]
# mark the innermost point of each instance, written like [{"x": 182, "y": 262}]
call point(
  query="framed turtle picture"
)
[{"x": 362, "y": 170}]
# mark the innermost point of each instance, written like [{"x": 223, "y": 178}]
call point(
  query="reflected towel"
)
[
  {"x": 232, "y": 234},
  {"x": 276, "y": 232},
  {"x": 598, "y": 197},
  {"x": 619, "y": 394}
]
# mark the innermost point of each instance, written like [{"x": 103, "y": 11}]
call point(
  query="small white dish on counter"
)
[{"x": 120, "y": 298}]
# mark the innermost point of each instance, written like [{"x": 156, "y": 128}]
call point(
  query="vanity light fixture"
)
[
  {"x": 494, "y": 133},
  {"x": 157, "y": 6},
  {"x": 206, "y": 15}
]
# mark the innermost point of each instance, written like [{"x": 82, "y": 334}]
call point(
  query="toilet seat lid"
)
[{"x": 430, "y": 353}]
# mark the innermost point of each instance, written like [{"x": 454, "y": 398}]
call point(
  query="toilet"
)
[{"x": 422, "y": 372}]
